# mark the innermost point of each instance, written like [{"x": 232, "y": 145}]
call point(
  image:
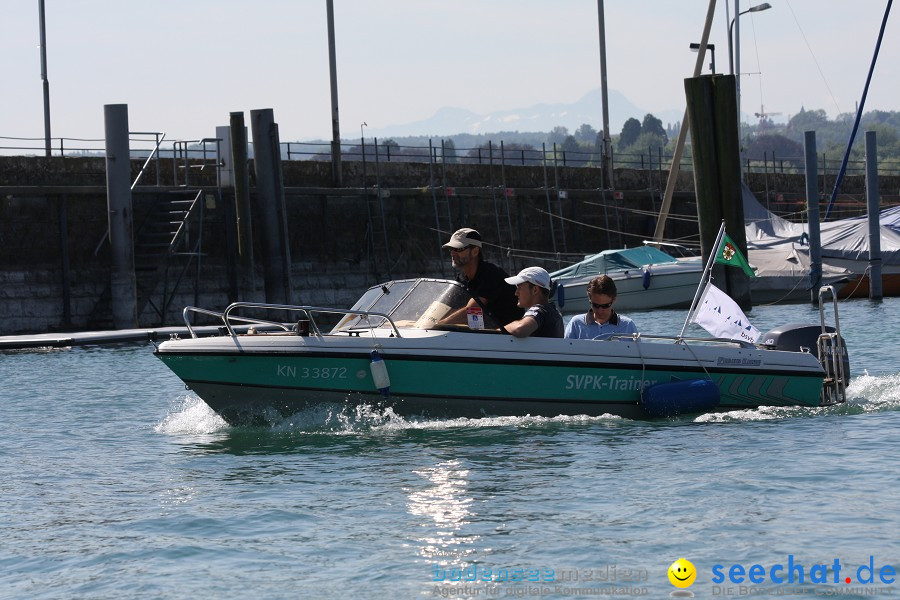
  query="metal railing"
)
[
  {"x": 183, "y": 152},
  {"x": 513, "y": 154},
  {"x": 160, "y": 136},
  {"x": 143, "y": 144},
  {"x": 308, "y": 311},
  {"x": 655, "y": 158}
]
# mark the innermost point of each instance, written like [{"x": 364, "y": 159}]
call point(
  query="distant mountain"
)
[{"x": 540, "y": 117}]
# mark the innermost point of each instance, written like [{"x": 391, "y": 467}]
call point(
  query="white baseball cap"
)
[{"x": 536, "y": 275}]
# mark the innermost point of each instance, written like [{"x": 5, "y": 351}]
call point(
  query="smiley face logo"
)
[{"x": 682, "y": 573}]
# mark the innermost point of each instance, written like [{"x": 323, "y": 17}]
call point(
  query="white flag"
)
[{"x": 718, "y": 314}]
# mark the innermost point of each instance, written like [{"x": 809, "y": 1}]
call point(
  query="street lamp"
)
[
  {"x": 362, "y": 137},
  {"x": 757, "y": 8},
  {"x": 712, "y": 51},
  {"x": 607, "y": 142},
  {"x": 735, "y": 65},
  {"x": 44, "y": 80},
  {"x": 335, "y": 121}
]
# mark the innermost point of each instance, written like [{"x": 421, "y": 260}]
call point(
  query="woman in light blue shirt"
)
[{"x": 601, "y": 321}]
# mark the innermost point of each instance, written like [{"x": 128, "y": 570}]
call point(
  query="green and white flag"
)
[{"x": 729, "y": 254}]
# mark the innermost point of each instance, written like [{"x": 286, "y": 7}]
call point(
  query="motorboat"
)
[
  {"x": 645, "y": 277},
  {"x": 391, "y": 349}
]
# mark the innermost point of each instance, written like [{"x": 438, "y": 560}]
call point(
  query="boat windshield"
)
[{"x": 417, "y": 303}]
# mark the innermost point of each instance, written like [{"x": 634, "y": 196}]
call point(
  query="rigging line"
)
[
  {"x": 682, "y": 240},
  {"x": 699, "y": 362},
  {"x": 812, "y": 54},
  {"x": 692, "y": 240},
  {"x": 859, "y": 281},
  {"x": 509, "y": 251},
  {"x": 791, "y": 291},
  {"x": 648, "y": 213},
  {"x": 859, "y": 111},
  {"x": 558, "y": 259},
  {"x": 642, "y": 236},
  {"x": 762, "y": 110},
  {"x": 517, "y": 252}
]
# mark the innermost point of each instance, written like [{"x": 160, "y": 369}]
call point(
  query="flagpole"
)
[{"x": 703, "y": 278}]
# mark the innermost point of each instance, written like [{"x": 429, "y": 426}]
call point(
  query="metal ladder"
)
[
  {"x": 443, "y": 221},
  {"x": 557, "y": 225},
  {"x": 378, "y": 233},
  {"x": 554, "y": 206},
  {"x": 831, "y": 351}
]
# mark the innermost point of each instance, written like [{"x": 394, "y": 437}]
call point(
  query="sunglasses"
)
[
  {"x": 460, "y": 250},
  {"x": 598, "y": 306}
]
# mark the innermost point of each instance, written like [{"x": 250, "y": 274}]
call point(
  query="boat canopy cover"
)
[
  {"x": 615, "y": 260},
  {"x": 790, "y": 262},
  {"x": 846, "y": 239}
]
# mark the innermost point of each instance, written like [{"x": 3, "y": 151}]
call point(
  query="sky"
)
[{"x": 182, "y": 66}]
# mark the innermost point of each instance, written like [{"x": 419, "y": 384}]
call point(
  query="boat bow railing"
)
[
  {"x": 228, "y": 318},
  {"x": 636, "y": 337}
]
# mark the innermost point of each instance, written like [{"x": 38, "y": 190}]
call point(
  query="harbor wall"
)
[{"x": 55, "y": 268}]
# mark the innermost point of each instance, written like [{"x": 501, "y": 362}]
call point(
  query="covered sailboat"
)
[{"x": 779, "y": 249}]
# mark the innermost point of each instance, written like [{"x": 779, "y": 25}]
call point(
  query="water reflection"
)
[{"x": 444, "y": 509}]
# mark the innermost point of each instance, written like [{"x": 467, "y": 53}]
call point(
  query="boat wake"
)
[
  {"x": 875, "y": 393},
  {"x": 865, "y": 394},
  {"x": 190, "y": 415}
]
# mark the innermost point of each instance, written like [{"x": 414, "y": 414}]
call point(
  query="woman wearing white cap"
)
[{"x": 542, "y": 318}]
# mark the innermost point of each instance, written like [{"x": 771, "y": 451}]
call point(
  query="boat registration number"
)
[{"x": 312, "y": 372}]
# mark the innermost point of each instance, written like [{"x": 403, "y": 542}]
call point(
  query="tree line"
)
[{"x": 764, "y": 140}]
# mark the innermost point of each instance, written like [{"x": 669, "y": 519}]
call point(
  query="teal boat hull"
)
[{"x": 440, "y": 374}]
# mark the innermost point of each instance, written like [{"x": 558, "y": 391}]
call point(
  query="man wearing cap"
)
[
  {"x": 601, "y": 321},
  {"x": 483, "y": 280},
  {"x": 542, "y": 318}
]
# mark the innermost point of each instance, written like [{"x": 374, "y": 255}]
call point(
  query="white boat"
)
[
  {"x": 391, "y": 350},
  {"x": 645, "y": 277}
]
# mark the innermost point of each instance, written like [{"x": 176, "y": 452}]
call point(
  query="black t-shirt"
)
[
  {"x": 500, "y": 297},
  {"x": 550, "y": 322}
]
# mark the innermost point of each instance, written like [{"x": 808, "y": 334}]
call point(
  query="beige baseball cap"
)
[{"x": 464, "y": 237}]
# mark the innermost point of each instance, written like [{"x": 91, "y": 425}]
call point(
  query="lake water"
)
[{"x": 117, "y": 482}]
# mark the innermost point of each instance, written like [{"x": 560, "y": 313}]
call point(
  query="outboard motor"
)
[{"x": 795, "y": 337}]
